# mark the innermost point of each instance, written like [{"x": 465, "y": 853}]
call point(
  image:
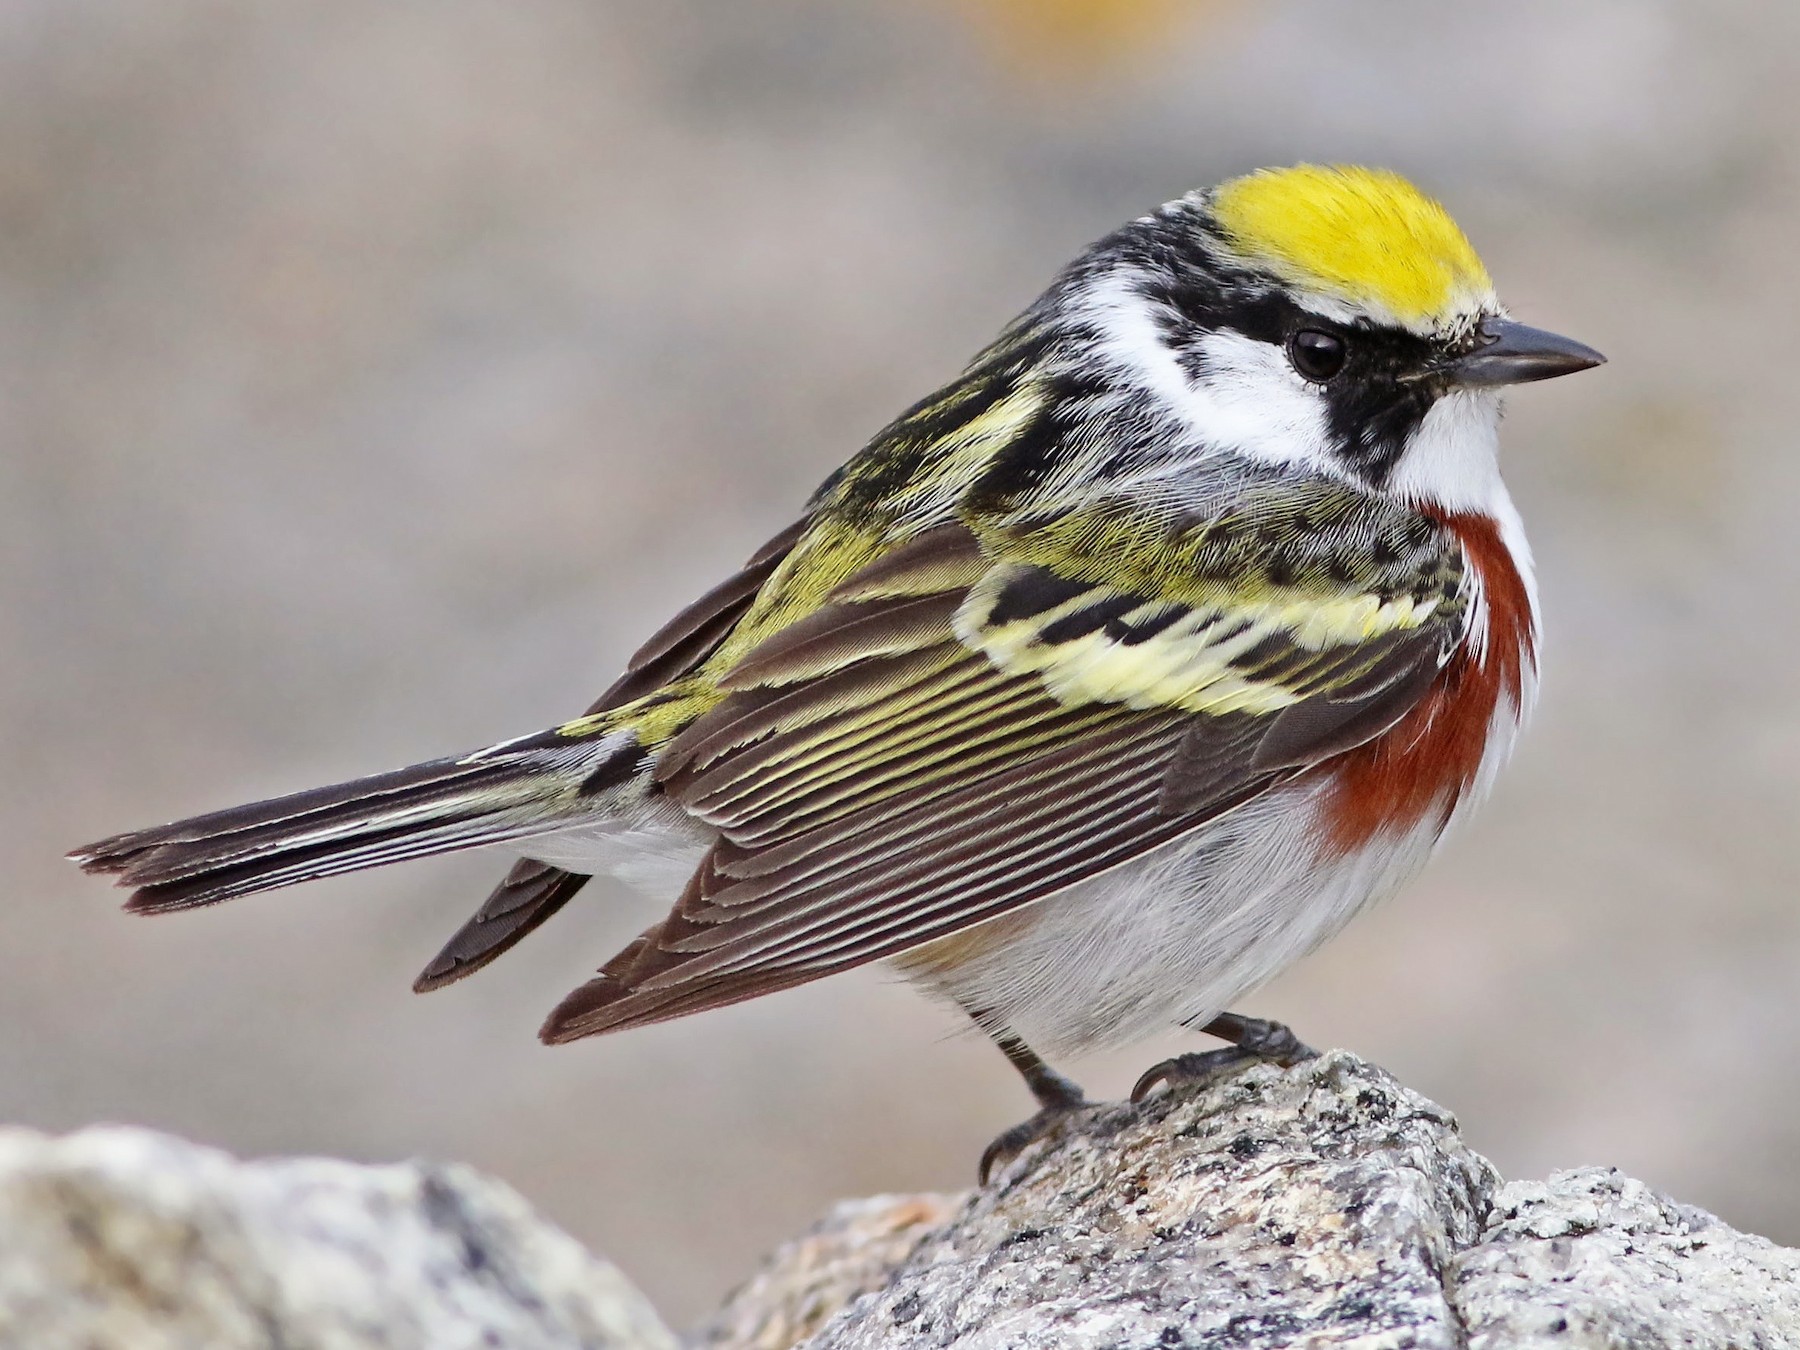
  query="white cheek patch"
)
[
  {"x": 1261, "y": 404},
  {"x": 1246, "y": 396}
]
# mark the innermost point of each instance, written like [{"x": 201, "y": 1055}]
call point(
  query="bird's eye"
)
[{"x": 1317, "y": 355}]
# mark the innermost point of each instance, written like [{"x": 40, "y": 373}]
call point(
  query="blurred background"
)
[{"x": 374, "y": 374}]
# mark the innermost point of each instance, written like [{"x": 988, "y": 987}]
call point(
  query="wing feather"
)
[{"x": 958, "y": 733}]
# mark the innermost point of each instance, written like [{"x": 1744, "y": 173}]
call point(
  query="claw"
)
[
  {"x": 1151, "y": 1079},
  {"x": 1013, "y": 1142},
  {"x": 1250, "y": 1037},
  {"x": 1192, "y": 1068}
]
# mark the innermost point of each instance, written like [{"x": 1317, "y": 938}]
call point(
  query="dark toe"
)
[
  {"x": 1013, "y": 1142},
  {"x": 1276, "y": 1041},
  {"x": 1183, "y": 1069}
]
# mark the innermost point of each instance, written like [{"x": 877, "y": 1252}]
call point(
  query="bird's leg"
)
[
  {"x": 1250, "y": 1037},
  {"x": 1056, "y": 1097}
]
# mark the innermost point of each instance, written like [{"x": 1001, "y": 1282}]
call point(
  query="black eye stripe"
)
[{"x": 1374, "y": 402}]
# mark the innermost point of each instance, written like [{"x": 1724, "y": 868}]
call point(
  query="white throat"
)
[
  {"x": 1452, "y": 460},
  {"x": 1247, "y": 398},
  {"x": 1451, "y": 465}
]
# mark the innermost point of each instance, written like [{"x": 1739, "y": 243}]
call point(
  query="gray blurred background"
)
[{"x": 374, "y": 374}]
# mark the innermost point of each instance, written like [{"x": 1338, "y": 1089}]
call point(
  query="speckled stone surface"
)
[
  {"x": 1322, "y": 1206},
  {"x": 124, "y": 1239},
  {"x": 1592, "y": 1258},
  {"x": 852, "y": 1250}
]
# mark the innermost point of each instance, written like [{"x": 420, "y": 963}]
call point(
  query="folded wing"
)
[{"x": 990, "y": 714}]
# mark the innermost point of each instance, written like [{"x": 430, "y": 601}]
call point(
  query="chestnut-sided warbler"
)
[{"x": 1097, "y": 688}]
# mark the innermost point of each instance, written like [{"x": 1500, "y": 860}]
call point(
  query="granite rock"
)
[
  {"x": 124, "y": 1239},
  {"x": 1320, "y": 1206}
]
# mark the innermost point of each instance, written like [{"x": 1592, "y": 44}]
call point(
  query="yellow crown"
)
[{"x": 1366, "y": 237}]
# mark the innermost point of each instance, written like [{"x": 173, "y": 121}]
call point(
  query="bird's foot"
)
[
  {"x": 1013, "y": 1142},
  {"x": 1250, "y": 1037},
  {"x": 1183, "y": 1070},
  {"x": 1058, "y": 1097}
]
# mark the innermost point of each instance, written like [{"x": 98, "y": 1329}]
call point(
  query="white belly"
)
[{"x": 1179, "y": 935}]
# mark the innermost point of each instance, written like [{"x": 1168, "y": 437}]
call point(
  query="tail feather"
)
[
  {"x": 531, "y": 893},
  {"x": 513, "y": 791}
]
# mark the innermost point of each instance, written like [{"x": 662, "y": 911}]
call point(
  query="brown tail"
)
[{"x": 519, "y": 789}]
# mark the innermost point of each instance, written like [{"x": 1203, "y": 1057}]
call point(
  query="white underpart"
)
[
  {"x": 651, "y": 847},
  {"x": 1185, "y": 932},
  {"x": 1180, "y": 934}
]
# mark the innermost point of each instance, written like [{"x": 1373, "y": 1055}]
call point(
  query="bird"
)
[{"x": 1098, "y": 687}]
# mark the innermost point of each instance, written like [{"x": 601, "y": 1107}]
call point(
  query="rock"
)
[
  {"x": 811, "y": 1278},
  {"x": 1320, "y": 1206},
  {"x": 1592, "y": 1258},
  {"x": 123, "y": 1238}
]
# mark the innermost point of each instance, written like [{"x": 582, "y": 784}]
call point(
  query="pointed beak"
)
[{"x": 1511, "y": 353}]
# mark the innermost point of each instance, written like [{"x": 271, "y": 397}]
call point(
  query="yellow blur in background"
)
[
  {"x": 374, "y": 375},
  {"x": 1088, "y": 42}
]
